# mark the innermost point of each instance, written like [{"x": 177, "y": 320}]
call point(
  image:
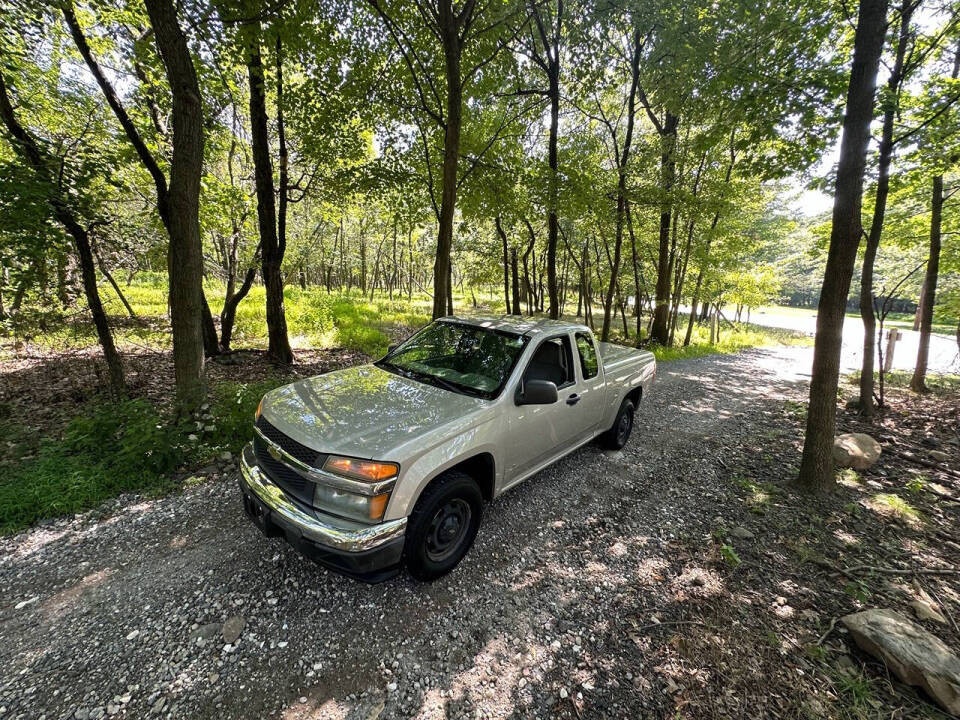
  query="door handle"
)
[{"x": 573, "y": 399}]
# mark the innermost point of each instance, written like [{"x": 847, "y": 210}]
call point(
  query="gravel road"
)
[{"x": 120, "y": 612}]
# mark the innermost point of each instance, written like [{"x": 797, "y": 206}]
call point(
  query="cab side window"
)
[
  {"x": 588, "y": 356},
  {"x": 552, "y": 361}
]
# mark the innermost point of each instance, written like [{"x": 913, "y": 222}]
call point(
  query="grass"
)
[
  {"x": 317, "y": 319},
  {"x": 894, "y": 506},
  {"x": 732, "y": 340},
  {"x": 900, "y": 379}
]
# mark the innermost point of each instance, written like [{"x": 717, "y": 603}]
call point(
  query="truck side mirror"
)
[{"x": 536, "y": 392}]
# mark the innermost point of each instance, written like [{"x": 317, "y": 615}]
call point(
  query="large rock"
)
[
  {"x": 914, "y": 655},
  {"x": 233, "y": 628},
  {"x": 855, "y": 450}
]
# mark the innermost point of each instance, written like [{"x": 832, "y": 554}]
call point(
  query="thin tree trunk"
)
[
  {"x": 816, "y": 468},
  {"x": 410, "y": 264},
  {"x": 229, "y": 315},
  {"x": 113, "y": 283},
  {"x": 30, "y": 150},
  {"x": 211, "y": 344},
  {"x": 272, "y": 253},
  {"x": 918, "y": 382},
  {"x": 516, "y": 282},
  {"x": 680, "y": 280},
  {"x": 623, "y": 160},
  {"x": 527, "y": 286},
  {"x": 879, "y": 210},
  {"x": 637, "y": 310},
  {"x": 506, "y": 262},
  {"x": 4, "y": 281}
]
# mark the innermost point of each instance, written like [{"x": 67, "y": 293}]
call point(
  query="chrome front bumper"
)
[{"x": 316, "y": 527}]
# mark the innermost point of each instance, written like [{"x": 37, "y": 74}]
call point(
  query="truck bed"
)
[{"x": 614, "y": 357}]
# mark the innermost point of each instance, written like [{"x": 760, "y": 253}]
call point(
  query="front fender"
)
[{"x": 417, "y": 474}]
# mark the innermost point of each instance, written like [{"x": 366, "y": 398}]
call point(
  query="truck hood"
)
[{"x": 363, "y": 411}]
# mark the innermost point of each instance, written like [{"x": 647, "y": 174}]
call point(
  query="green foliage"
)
[
  {"x": 232, "y": 410},
  {"x": 858, "y": 590},
  {"x": 916, "y": 484},
  {"x": 730, "y": 556},
  {"x": 113, "y": 447}
]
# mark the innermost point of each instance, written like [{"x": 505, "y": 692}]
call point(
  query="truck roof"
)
[{"x": 518, "y": 324}]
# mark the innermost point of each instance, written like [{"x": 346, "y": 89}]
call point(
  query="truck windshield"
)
[{"x": 459, "y": 357}]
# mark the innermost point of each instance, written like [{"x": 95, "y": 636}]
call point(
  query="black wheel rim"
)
[
  {"x": 448, "y": 529},
  {"x": 624, "y": 427}
]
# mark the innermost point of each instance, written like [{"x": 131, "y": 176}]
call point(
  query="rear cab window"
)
[{"x": 589, "y": 365}]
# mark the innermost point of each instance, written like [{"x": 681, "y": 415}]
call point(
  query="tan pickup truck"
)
[{"x": 375, "y": 468}]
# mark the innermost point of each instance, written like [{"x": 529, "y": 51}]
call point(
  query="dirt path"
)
[{"x": 570, "y": 602}]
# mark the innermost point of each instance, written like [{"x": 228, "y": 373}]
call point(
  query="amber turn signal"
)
[
  {"x": 259, "y": 409},
  {"x": 378, "y": 505},
  {"x": 367, "y": 470}
]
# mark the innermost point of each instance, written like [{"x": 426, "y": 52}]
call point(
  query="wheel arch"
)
[
  {"x": 481, "y": 467},
  {"x": 635, "y": 395}
]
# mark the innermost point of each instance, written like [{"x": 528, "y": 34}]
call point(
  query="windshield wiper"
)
[
  {"x": 445, "y": 384},
  {"x": 429, "y": 379}
]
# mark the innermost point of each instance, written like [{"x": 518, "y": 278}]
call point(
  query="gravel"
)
[{"x": 178, "y": 607}]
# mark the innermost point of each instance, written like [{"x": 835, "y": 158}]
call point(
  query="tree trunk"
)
[
  {"x": 506, "y": 262},
  {"x": 527, "y": 286},
  {"x": 113, "y": 283},
  {"x": 917, "y": 314},
  {"x": 879, "y": 210},
  {"x": 624, "y": 158},
  {"x": 185, "y": 256},
  {"x": 918, "y": 382},
  {"x": 452, "y": 49},
  {"x": 178, "y": 203},
  {"x": 30, "y": 150},
  {"x": 552, "y": 220},
  {"x": 229, "y": 315},
  {"x": 272, "y": 253},
  {"x": 211, "y": 344},
  {"x": 668, "y": 168},
  {"x": 516, "y": 282},
  {"x": 637, "y": 275},
  {"x": 816, "y": 468}
]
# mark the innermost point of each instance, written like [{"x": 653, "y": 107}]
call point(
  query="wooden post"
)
[{"x": 892, "y": 336}]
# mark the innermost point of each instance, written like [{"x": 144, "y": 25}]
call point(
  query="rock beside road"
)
[
  {"x": 915, "y": 656},
  {"x": 233, "y": 628},
  {"x": 855, "y": 450}
]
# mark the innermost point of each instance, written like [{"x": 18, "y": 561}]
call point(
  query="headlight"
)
[
  {"x": 365, "y": 508},
  {"x": 366, "y": 470},
  {"x": 259, "y": 410}
]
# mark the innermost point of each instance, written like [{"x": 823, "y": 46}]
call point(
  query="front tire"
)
[
  {"x": 442, "y": 526},
  {"x": 618, "y": 435}
]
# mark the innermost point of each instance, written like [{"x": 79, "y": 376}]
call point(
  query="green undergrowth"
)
[
  {"x": 731, "y": 341},
  {"x": 315, "y": 319},
  {"x": 116, "y": 446},
  {"x": 901, "y": 379}
]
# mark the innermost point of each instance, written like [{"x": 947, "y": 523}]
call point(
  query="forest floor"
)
[{"x": 681, "y": 577}]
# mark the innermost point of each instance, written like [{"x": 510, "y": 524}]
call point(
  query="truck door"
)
[
  {"x": 591, "y": 388},
  {"x": 538, "y": 433}
]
